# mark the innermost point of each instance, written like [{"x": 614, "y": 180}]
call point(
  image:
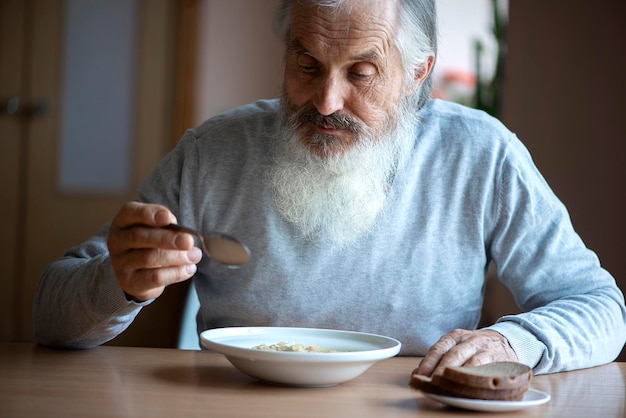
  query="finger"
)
[
  {"x": 138, "y": 213},
  {"x": 458, "y": 355},
  {"x": 483, "y": 357},
  {"x": 471, "y": 348},
  {"x": 434, "y": 355},
  {"x": 157, "y": 238},
  {"x": 150, "y": 283},
  {"x": 122, "y": 241},
  {"x": 144, "y": 273},
  {"x": 146, "y": 259},
  {"x": 141, "y": 271}
]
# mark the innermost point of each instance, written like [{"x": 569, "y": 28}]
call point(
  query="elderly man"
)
[{"x": 367, "y": 206}]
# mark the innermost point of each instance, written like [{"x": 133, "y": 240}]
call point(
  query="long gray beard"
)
[{"x": 339, "y": 198}]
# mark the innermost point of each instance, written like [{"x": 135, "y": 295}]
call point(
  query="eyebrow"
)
[
  {"x": 370, "y": 55},
  {"x": 295, "y": 46}
]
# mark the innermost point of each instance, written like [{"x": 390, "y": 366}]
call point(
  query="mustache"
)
[{"x": 334, "y": 121}]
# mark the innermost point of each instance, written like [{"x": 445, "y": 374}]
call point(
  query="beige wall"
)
[
  {"x": 565, "y": 97},
  {"x": 239, "y": 58}
]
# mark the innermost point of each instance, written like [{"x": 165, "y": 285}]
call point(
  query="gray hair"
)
[{"x": 416, "y": 40}]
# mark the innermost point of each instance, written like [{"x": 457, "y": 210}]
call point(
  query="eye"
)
[
  {"x": 363, "y": 70},
  {"x": 307, "y": 63}
]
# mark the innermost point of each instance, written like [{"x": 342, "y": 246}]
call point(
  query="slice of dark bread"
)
[
  {"x": 496, "y": 381},
  {"x": 438, "y": 385},
  {"x": 496, "y": 376}
]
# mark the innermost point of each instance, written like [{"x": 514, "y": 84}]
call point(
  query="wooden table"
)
[{"x": 148, "y": 382}]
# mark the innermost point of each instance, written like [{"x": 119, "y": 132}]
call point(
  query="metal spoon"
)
[{"x": 220, "y": 247}]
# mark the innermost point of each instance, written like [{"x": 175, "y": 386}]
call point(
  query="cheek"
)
[
  {"x": 296, "y": 89},
  {"x": 373, "y": 106}
]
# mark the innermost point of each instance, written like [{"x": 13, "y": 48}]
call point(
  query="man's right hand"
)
[{"x": 146, "y": 258}]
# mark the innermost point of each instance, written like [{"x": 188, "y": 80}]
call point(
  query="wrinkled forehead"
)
[{"x": 352, "y": 20}]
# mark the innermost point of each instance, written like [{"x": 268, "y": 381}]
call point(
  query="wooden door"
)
[
  {"x": 42, "y": 220},
  {"x": 11, "y": 151}
]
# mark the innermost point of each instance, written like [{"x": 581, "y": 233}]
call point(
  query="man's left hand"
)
[{"x": 461, "y": 347}]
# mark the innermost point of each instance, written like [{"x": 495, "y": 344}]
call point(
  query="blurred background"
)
[{"x": 94, "y": 93}]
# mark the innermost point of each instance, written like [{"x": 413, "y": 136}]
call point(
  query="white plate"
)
[
  {"x": 356, "y": 352},
  {"x": 531, "y": 398}
]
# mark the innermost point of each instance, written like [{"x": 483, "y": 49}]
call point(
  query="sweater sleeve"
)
[
  {"x": 79, "y": 303},
  {"x": 574, "y": 314}
]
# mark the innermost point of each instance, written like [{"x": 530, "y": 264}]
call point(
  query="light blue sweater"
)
[{"x": 470, "y": 195}]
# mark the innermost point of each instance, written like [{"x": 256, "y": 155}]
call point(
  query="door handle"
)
[{"x": 15, "y": 107}]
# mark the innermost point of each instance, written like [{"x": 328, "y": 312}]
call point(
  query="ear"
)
[{"x": 422, "y": 71}]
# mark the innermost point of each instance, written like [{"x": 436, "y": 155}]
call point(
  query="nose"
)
[{"x": 329, "y": 97}]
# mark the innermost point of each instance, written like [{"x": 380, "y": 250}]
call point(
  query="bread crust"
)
[
  {"x": 503, "y": 381},
  {"x": 495, "y": 376},
  {"x": 439, "y": 385}
]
